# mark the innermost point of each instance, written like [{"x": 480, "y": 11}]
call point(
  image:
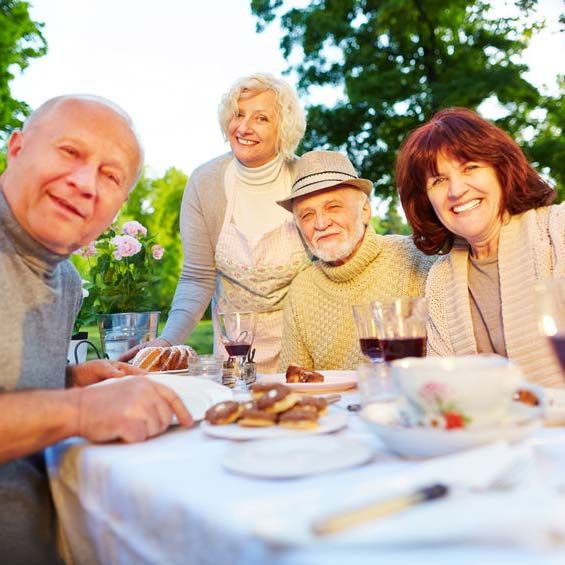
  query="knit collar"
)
[
  {"x": 265, "y": 174},
  {"x": 367, "y": 252},
  {"x": 38, "y": 257}
]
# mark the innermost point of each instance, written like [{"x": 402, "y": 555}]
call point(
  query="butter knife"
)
[{"x": 348, "y": 519}]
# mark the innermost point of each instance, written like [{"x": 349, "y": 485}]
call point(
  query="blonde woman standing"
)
[{"x": 240, "y": 249}]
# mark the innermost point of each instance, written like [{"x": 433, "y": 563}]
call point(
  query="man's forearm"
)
[{"x": 33, "y": 419}]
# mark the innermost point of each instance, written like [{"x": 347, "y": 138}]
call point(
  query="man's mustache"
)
[{"x": 318, "y": 235}]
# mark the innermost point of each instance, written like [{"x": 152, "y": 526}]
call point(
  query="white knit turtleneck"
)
[{"x": 256, "y": 191}]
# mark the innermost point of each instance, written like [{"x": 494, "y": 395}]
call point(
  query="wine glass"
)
[
  {"x": 402, "y": 327},
  {"x": 238, "y": 331},
  {"x": 551, "y": 305},
  {"x": 367, "y": 330}
]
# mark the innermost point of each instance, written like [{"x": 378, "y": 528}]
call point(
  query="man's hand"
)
[
  {"x": 131, "y": 353},
  {"x": 131, "y": 410},
  {"x": 99, "y": 370}
]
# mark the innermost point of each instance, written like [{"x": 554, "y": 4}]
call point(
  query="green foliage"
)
[
  {"x": 547, "y": 147},
  {"x": 391, "y": 222},
  {"x": 396, "y": 62},
  {"x": 20, "y": 40}
]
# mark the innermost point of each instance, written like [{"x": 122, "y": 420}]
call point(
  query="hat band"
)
[{"x": 325, "y": 173}]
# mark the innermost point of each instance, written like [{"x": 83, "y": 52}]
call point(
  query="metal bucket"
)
[{"x": 120, "y": 332}]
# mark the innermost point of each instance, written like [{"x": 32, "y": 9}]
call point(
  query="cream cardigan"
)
[{"x": 531, "y": 248}]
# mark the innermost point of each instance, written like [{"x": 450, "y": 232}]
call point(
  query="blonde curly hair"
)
[{"x": 292, "y": 121}]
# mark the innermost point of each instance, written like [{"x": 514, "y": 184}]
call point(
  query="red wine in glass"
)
[
  {"x": 237, "y": 349},
  {"x": 398, "y": 348},
  {"x": 558, "y": 342},
  {"x": 371, "y": 347}
]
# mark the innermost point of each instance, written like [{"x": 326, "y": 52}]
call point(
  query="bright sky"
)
[{"x": 169, "y": 62}]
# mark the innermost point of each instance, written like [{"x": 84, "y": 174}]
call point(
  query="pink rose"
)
[
  {"x": 134, "y": 228},
  {"x": 433, "y": 392},
  {"x": 157, "y": 251},
  {"x": 87, "y": 251},
  {"x": 126, "y": 246}
]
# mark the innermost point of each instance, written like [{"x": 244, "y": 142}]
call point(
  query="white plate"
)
[
  {"x": 333, "y": 380},
  {"x": 296, "y": 457},
  {"x": 421, "y": 441},
  {"x": 171, "y": 372},
  {"x": 334, "y": 420}
]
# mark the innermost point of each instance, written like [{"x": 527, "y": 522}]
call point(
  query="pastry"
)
[
  {"x": 318, "y": 405},
  {"x": 255, "y": 418},
  {"x": 296, "y": 374},
  {"x": 223, "y": 413},
  {"x": 299, "y": 418},
  {"x": 277, "y": 400},
  {"x": 175, "y": 357},
  {"x": 259, "y": 389},
  {"x": 526, "y": 397}
]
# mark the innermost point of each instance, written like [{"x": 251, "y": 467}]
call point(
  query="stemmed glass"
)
[
  {"x": 551, "y": 305},
  {"x": 238, "y": 331},
  {"x": 367, "y": 330},
  {"x": 373, "y": 379},
  {"x": 401, "y": 325}
]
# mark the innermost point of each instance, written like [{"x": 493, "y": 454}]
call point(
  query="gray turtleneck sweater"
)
[{"x": 40, "y": 295}]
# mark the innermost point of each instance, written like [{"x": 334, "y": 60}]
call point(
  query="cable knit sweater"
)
[
  {"x": 319, "y": 330},
  {"x": 531, "y": 248}
]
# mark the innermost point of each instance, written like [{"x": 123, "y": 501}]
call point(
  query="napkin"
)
[
  {"x": 523, "y": 513},
  {"x": 197, "y": 394}
]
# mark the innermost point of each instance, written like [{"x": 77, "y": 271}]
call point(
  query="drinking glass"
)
[
  {"x": 551, "y": 306},
  {"x": 401, "y": 325},
  {"x": 375, "y": 384},
  {"x": 367, "y": 330},
  {"x": 238, "y": 331}
]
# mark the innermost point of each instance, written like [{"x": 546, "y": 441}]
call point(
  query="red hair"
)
[{"x": 464, "y": 136}]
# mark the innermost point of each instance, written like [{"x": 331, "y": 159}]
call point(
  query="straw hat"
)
[{"x": 319, "y": 170}]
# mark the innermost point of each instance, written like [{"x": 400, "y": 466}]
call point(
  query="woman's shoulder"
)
[
  {"x": 212, "y": 167},
  {"x": 543, "y": 213},
  {"x": 545, "y": 219}
]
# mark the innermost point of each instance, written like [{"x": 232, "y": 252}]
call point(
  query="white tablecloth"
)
[{"x": 169, "y": 500}]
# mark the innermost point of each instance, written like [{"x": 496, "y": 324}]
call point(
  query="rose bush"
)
[{"x": 122, "y": 267}]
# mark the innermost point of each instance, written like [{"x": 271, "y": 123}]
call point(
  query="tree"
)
[
  {"x": 396, "y": 62},
  {"x": 20, "y": 41}
]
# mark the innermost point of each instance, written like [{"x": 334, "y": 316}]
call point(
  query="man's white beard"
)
[{"x": 331, "y": 252}]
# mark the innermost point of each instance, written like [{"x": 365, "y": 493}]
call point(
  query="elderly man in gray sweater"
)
[{"x": 68, "y": 172}]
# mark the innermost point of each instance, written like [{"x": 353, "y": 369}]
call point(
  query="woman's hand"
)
[
  {"x": 99, "y": 370},
  {"x": 131, "y": 353}
]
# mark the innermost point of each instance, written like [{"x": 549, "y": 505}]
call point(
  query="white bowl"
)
[{"x": 420, "y": 441}]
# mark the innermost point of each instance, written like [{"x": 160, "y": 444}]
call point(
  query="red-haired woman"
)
[{"x": 469, "y": 193}]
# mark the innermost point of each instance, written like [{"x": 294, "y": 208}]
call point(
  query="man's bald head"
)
[{"x": 52, "y": 104}]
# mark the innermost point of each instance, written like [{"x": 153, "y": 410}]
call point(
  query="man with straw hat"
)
[{"x": 352, "y": 264}]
